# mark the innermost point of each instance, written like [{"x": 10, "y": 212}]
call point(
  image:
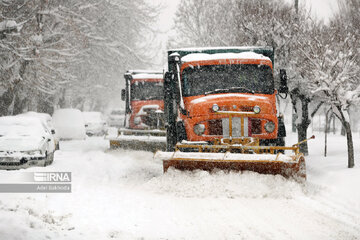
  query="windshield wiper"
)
[
  {"x": 242, "y": 89},
  {"x": 153, "y": 98},
  {"x": 232, "y": 89},
  {"x": 217, "y": 91}
]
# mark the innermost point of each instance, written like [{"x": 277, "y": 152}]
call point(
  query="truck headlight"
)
[
  {"x": 270, "y": 127},
  {"x": 215, "y": 107},
  {"x": 137, "y": 120},
  {"x": 199, "y": 129},
  {"x": 257, "y": 109}
]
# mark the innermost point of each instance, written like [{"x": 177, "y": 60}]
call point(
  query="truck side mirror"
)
[
  {"x": 283, "y": 82},
  {"x": 174, "y": 58},
  {"x": 123, "y": 94}
]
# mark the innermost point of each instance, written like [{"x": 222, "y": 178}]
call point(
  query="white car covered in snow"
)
[
  {"x": 48, "y": 121},
  {"x": 95, "y": 123},
  {"x": 69, "y": 124},
  {"x": 116, "y": 118},
  {"x": 24, "y": 141}
]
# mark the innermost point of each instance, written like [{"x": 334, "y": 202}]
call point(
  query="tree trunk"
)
[
  {"x": 350, "y": 145},
  {"x": 302, "y": 135},
  {"x": 5, "y": 101},
  {"x": 327, "y": 128},
  {"x": 326, "y": 131},
  {"x": 305, "y": 122},
  {"x": 343, "y": 130},
  {"x": 303, "y": 126}
]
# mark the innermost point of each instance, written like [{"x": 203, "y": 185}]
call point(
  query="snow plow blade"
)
[
  {"x": 145, "y": 140},
  {"x": 287, "y": 166},
  {"x": 236, "y": 155}
]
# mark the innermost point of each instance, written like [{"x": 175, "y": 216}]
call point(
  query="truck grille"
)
[{"x": 220, "y": 127}]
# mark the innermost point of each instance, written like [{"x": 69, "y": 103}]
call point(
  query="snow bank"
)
[
  {"x": 201, "y": 184},
  {"x": 30, "y": 220},
  {"x": 125, "y": 195}
]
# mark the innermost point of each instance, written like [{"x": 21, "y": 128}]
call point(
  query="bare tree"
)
[
  {"x": 330, "y": 62},
  {"x": 69, "y": 51}
]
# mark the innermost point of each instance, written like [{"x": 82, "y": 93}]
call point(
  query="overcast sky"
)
[{"x": 321, "y": 9}]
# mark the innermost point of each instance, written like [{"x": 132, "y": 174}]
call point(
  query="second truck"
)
[{"x": 144, "y": 117}]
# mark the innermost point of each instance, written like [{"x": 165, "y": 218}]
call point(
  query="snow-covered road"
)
[{"x": 125, "y": 195}]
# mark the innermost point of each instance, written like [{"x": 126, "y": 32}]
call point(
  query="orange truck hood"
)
[{"x": 201, "y": 105}]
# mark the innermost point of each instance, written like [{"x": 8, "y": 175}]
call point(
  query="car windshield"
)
[
  {"x": 246, "y": 78},
  {"x": 141, "y": 90}
]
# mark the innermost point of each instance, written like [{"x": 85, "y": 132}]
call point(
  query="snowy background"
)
[{"x": 57, "y": 54}]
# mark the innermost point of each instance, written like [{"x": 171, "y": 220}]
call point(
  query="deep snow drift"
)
[{"x": 125, "y": 195}]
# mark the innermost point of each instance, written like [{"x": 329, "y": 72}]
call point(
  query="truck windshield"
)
[
  {"x": 246, "y": 78},
  {"x": 147, "y": 90}
]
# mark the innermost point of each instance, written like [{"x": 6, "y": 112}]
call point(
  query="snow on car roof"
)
[
  {"x": 20, "y": 120},
  {"x": 222, "y": 56},
  {"x": 18, "y": 124},
  {"x": 69, "y": 123},
  {"x": 43, "y": 116}
]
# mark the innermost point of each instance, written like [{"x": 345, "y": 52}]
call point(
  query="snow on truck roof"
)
[
  {"x": 222, "y": 56},
  {"x": 265, "y": 51},
  {"x": 139, "y": 71},
  {"x": 201, "y": 49},
  {"x": 145, "y": 74}
]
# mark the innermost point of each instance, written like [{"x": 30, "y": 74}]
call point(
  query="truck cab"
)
[
  {"x": 203, "y": 86},
  {"x": 143, "y": 96}
]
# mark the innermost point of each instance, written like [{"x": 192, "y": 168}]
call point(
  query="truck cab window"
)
[
  {"x": 147, "y": 90},
  {"x": 227, "y": 78}
]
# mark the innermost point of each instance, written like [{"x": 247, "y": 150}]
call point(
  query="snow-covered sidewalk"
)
[{"x": 125, "y": 195}]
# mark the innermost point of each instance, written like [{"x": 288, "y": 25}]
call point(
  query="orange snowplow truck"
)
[
  {"x": 144, "y": 111},
  {"x": 143, "y": 96},
  {"x": 221, "y": 112}
]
